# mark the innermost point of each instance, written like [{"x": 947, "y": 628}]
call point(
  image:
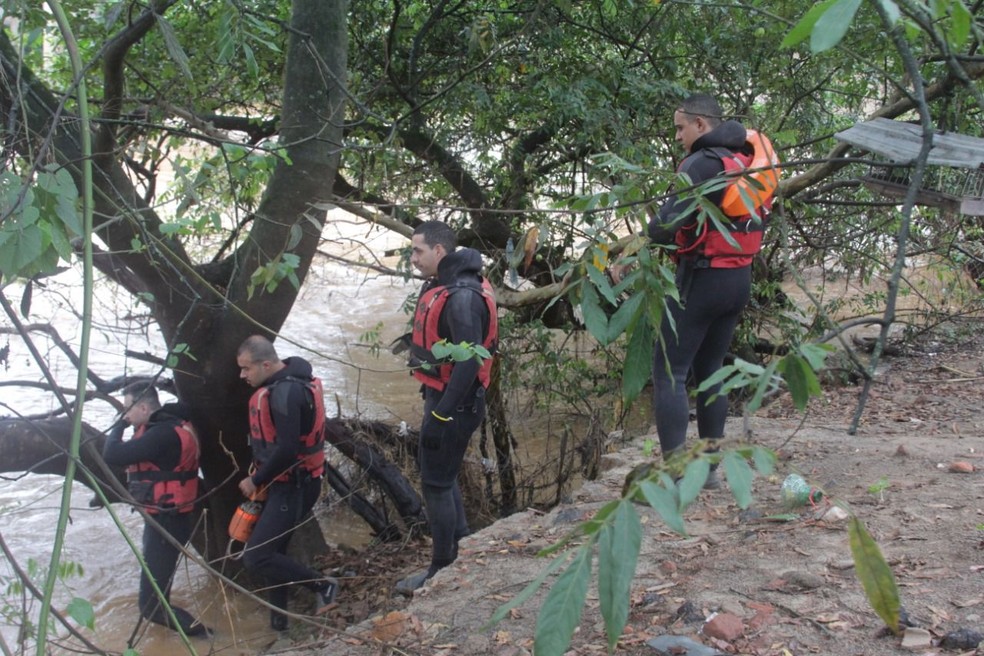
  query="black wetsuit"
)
[
  {"x": 465, "y": 318},
  {"x": 287, "y": 502},
  {"x": 161, "y": 446},
  {"x": 712, "y": 302}
]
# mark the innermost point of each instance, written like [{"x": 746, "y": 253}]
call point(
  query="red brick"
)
[{"x": 725, "y": 626}]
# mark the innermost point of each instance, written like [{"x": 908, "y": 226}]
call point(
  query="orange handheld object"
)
[{"x": 244, "y": 520}]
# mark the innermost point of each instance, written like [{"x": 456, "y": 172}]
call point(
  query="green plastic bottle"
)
[{"x": 796, "y": 492}]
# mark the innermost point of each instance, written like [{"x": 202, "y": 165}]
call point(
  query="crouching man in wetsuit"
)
[
  {"x": 458, "y": 305},
  {"x": 286, "y": 423},
  {"x": 162, "y": 476}
]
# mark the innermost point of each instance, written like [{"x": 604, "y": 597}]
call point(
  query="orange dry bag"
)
[{"x": 755, "y": 189}]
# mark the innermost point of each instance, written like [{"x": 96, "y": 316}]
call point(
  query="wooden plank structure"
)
[{"x": 954, "y": 180}]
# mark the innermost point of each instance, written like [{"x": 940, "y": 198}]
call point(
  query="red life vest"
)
[
  {"x": 426, "y": 321},
  {"x": 745, "y": 228},
  {"x": 263, "y": 434},
  {"x": 167, "y": 490}
]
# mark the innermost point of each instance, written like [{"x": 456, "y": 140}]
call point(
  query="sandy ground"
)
[{"x": 775, "y": 582}]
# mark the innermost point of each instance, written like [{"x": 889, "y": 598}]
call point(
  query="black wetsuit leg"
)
[
  {"x": 439, "y": 470},
  {"x": 266, "y": 551},
  {"x": 704, "y": 328},
  {"x": 162, "y": 559}
]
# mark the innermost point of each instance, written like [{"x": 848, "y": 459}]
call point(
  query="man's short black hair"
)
[
  {"x": 437, "y": 232},
  {"x": 259, "y": 348},
  {"x": 704, "y": 105},
  {"x": 143, "y": 392}
]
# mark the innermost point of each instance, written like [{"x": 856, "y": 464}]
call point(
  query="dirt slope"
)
[{"x": 790, "y": 584}]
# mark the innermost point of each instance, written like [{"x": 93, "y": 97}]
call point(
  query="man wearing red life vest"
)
[
  {"x": 455, "y": 304},
  {"x": 286, "y": 420},
  {"x": 162, "y": 476},
  {"x": 713, "y": 277}
]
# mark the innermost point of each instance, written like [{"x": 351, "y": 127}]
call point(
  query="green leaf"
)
[
  {"x": 694, "y": 477},
  {"x": 739, "y": 478},
  {"x": 185, "y": 350},
  {"x": 600, "y": 281},
  {"x": 875, "y": 574},
  {"x": 618, "y": 551},
  {"x": 962, "y": 21},
  {"x": 891, "y": 9},
  {"x": 624, "y": 316},
  {"x": 594, "y": 317},
  {"x": 29, "y": 247},
  {"x": 561, "y": 610},
  {"x": 60, "y": 185},
  {"x": 765, "y": 383},
  {"x": 638, "y": 367},
  {"x": 804, "y": 27},
  {"x": 816, "y": 354},
  {"x": 764, "y": 459},
  {"x": 665, "y": 503},
  {"x": 294, "y": 237},
  {"x": 226, "y": 38},
  {"x": 59, "y": 241},
  {"x": 832, "y": 25},
  {"x": 599, "y": 521},
  {"x": 173, "y": 46},
  {"x": 26, "y": 297},
  {"x": 251, "y": 66},
  {"x": 800, "y": 378},
  {"x": 81, "y": 611}
]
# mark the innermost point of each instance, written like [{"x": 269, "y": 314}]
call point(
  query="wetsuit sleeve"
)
[
  {"x": 679, "y": 212},
  {"x": 159, "y": 444},
  {"x": 467, "y": 319},
  {"x": 292, "y": 417}
]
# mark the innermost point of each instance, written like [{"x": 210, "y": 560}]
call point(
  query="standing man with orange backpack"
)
[
  {"x": 287, "y": 438},
  {"x": 162, "y": 476},
  {"x": 713, "y": 270}
]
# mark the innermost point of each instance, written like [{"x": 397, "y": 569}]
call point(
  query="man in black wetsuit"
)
[
  {"x": 286, "y": 422},
  {"x": 713, "y": 277},
  {"x": 162, "y": 476},
  {"x": 458, "y": 305}
]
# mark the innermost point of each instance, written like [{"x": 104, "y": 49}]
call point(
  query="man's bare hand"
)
[{"x": 247, "y": 487}]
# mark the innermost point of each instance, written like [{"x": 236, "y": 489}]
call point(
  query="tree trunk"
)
[{"x": 505, "y": 443}]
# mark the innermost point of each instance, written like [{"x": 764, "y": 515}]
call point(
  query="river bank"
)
[{"x": 778, "y": 584}]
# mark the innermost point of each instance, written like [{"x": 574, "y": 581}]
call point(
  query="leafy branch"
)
[{"x": 614, "y": 536}]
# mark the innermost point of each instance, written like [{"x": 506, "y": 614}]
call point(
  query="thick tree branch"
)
[
  {"x": 114, "y": 58},
  {"x": 490, "y": 230}
]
